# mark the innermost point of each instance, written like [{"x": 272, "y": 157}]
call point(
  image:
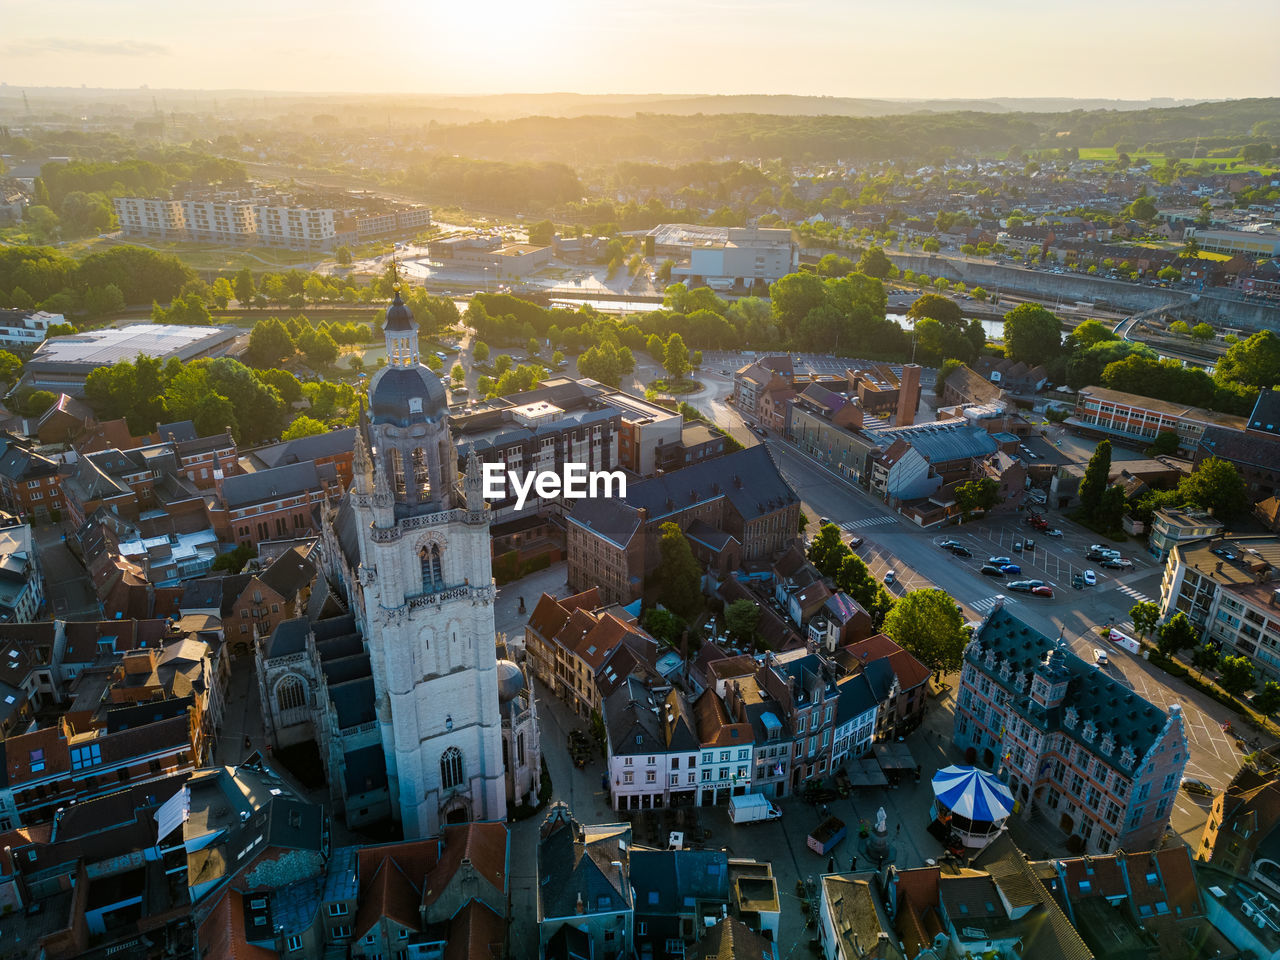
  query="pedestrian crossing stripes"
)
[
  {"x": 982, "y": 606},
  {"x": 1137, "y": 595},
  {"x": 868, "y": 522}
]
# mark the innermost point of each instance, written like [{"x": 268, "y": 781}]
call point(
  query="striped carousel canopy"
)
[{"x": 972, "y": 793}]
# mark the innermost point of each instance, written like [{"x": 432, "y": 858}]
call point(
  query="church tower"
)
[{"x": 414, "y": 543}]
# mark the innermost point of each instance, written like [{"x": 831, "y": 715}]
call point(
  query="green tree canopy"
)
[
  {"x": 303, "y": 426},
  {"x": 1216, "y": 485},
  {"x": 1254, "y": 362},
  {"x": 1096, "y": 480},
  {"x": 679, "y": 574},
  {"x": 1145, "y": 616},
  {"x": 1237, "y": 675},
  {"x": 269, "y": 344},
  {"x": 943, "y": 309},
  {"x": 827, "y": 550},
  {"x": 1176, "y": 633},
  {"x": 742, "y": 620},
  {"x": 1032, "y": 334},
  {"x": 675, "y": 358},
  {"x": 927, "y": 624}
]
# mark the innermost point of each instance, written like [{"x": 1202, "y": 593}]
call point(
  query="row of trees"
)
[
  {"x": 100, "y": 283},
  {"x": 214, "y": 394}
]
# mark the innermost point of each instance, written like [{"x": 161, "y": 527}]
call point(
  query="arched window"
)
[
  {"x": 450, "y": 768},
  {"x": 397, "y": 472},
  {"x": 432, "y": 571},
  {"x": 421, "y": 474},
  {"x": 291, "y": 694}
]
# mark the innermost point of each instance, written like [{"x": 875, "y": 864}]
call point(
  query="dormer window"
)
[
  {"x": 1127, "y": 757},
  {"x": 1090, "y": 731},
  {"x": 1005, "y": 671},
  {"x": 1071, "y": 719},
  {"x": 990, "y": 660},
  {"x": 1108, "y": 744}
]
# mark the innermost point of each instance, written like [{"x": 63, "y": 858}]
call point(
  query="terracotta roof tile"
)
[
  {"x": 483, "y": 844},
  {"x": 390, "y": 894},
  {"x": 222, "y": 933},
  {"x": 476, "y": 933}
]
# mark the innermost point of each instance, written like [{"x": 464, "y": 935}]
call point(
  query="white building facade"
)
[{"x": 412, "y": 551}]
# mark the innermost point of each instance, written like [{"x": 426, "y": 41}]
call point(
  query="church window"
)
[
  {"x": 451, "y": 768},
  {"x": 432, "y": 572},
  {"x": 290, "y": 694},
  {"x": 397, "y": 472},
  {"x": 421, "y": 475}
]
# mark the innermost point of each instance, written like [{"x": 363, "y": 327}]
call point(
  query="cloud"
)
[{"x": 39, "y": 46}]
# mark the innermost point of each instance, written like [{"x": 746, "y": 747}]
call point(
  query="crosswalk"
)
[
  {"x": 982, "y": 606},
  {"x": 868, "y": 522},
  {"x": 1137, "y": 595}
]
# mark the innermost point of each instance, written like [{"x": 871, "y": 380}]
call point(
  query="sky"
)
[{"x": 1122, "y": 49}]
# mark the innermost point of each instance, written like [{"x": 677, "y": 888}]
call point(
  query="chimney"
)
[
  {"x": 908, "y": 395},
  {"x": 579, "y": 907}
]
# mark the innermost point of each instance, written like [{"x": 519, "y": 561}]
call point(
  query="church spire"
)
[
  {"x": 362, "y": 468},
  {"x": 400, "y": 330},
  {"x": 473, "y": 483}
]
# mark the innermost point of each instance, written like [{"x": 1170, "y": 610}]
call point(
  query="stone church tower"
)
[{"x": 410, "y": 544}]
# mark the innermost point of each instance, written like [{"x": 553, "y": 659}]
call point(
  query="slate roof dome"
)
[
  {"x": 510, "y": 681},
  {"x": 401, "y": 396},
  {"x": 399, "y": 316}
]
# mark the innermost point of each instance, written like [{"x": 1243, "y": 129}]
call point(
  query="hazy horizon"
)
[{"x": 913, "y": 50}]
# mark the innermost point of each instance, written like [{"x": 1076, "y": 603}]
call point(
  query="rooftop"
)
[{"x": 101, "y": 348}]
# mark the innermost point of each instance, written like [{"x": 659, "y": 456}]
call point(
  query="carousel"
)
[{"x": 970, "y": 807}]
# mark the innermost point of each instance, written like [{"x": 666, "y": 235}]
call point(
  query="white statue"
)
[{"x": 882, "y": 821}]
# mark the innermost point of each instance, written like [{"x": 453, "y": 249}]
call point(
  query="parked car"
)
[
  {"x": 1055, "y": 532},
  {"x": 1078, "y": 582},
  {"x": 991, "y": 570},
  {"x": 823, "y": 521},
  {"x": 1100, "y": 656},
  {"x": 962, "y": 551},
  {"x": 1043, "y": 591},
  {"x": 999, "y": 561},
  {"x": 1017, "y": 546},
  {"x": 1011, "y": 568},
  {"x": 1022, "y": 586},
  {"x": 1029, "y": 544},
  {"x": 855, "y": 543},
  {"x": 890, "y": 577},
  {"x": 949, "y": 544},
  {"x": 1090, "y": 578},
  {"x": 1117, "y": 563}
]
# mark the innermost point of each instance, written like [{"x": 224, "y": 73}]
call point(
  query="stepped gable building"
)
[
  {"x": 408, "y": 551},
  {"x": 1078, "y": 748}
]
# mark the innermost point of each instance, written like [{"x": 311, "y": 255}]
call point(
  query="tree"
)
[
  {"x": 1267, "y": 700},
  {"x": 1164, "y": 445},
  {"x": 943, "y": 309},
  {"x": 319, "y": 347},
  {"x": 742, "y": 620},
  {"x": 502, "y": 364},
  {"x": 675, "y": 358},
  {"x": 244, "y": 287},
  {"x": 1096, "y": 480},
  {"x": 875, "y": 263},
  {"x": 665, "y": 626},
  {"x": 1215, "y": 485},
  {"x": 679, "y": 574},
  {"x": 233, "y": 561},
  {"x": 480, "y": 352},
  {"x": 1203, "y": 332},
  {"x": 981, "y": 494},
  {"x": 269, "y": 344},
  {"x": 284, "y": 382},
  {"x": 927, "y": 624},
  {"x": 1176, "y": 634},
  {"x": 931, "y": 245},
  {"x": 980, "y": 294},
  {"x": 457, "y": 374},
  {"x": 220, "y": 293},
  {"x": 343, "y": 256},
  {"x": 1090, "y": 333},
  {"x": 1032, "y": 334},
  {"x": 834, "y": 265},
  {"x": 1145, "y": 615},
  {"x": 303, "y": 426},
  {"x": 854, "y": 578},
  {"x": 828, "y": 550},
  {"x": 10, "y": 367},
  {"x": 37, "y": 402},
  {"x": 1254, "y": 362},
  {"x": 948, "y": 368},
  {"x": 1206, "y": 658},
  {"x": 1144, "y": 209},
  {"x": 1236, "y": 675},
  {"x": 542, "y": 233},
  {"x": 1169, "y": 274},
  {"x": 1111, "y": 509}
]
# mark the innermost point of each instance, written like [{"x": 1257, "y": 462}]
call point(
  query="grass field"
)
[{"x": 1107, "y": 154}]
